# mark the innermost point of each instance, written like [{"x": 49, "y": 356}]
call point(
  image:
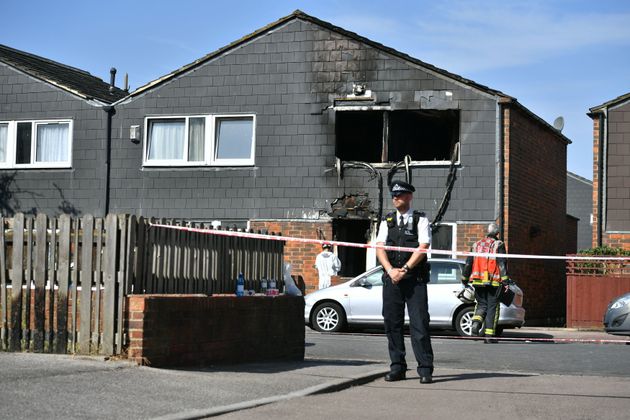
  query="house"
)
[
  {"x": 53, "y": 120},
  {"x": 580, "y": 205},
  {"x": 611, "y": 173},
  {"x": 297, "y": 128}
]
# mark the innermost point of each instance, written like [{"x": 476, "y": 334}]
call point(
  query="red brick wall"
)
[
  {"x": 535, "y": 221},
  {"x": 301, "y": 256},
  {"x": 468, "y": 234},
  {"x": 195, "y": 330}
]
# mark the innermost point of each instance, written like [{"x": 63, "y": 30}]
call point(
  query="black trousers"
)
[
  {"x": 487, "y": 308},
  {"x": 414, "y": 294}
]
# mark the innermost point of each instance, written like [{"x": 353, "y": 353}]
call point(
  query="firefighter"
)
[
  {"x": 405, "y": 279},
  {"x": 486, "y": 273}
]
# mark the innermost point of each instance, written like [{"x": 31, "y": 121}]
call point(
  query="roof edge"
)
[
  {"x": 607, "y": 104},
  {"x": 298, "y": 14},
  {"x": 551, "y": 128}
]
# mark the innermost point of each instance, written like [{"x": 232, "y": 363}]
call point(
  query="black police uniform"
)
[{"x": 411, "y": 290}]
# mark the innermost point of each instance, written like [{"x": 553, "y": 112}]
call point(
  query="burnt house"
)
[
  {"x": 297, "y": 128},
  {"x": 611, "y": 173}
]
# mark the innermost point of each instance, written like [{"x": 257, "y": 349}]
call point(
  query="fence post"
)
[
  {"x": 63, "y": 277},
  {"x": 109, "y": 279},
  {"x": 41, "y": 223},
  {"x": 86, "y": 284},
  {"x": 4, "y": 313}
]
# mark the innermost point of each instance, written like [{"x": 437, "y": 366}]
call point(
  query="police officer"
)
[
  {"x": 405, "y": 282},
  {"x": 486, "y": 274}
]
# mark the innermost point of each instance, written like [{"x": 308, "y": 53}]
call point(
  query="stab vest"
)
[
  {"x": 405, "y": 236},
  {"x": 485, "y": 270}
]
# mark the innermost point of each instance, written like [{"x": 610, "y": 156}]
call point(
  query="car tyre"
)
[
  {"x": 328, "y": 317},
  {"x": 463, "y": 321}
]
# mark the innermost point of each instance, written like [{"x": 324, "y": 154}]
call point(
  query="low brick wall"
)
[{"x": 194, "y": 330}]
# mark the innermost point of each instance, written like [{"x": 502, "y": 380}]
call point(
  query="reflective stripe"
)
[
  {"x": 489, "y": 331},
  {"x": 477, "y": 318}
]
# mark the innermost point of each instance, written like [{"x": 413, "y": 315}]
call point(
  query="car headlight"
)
[{"x": 620, "y": 303}]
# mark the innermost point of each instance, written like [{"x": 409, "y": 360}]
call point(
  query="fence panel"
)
[{"x": 41, "y": 242}]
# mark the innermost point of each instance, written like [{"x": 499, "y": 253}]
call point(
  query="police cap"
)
[{"x": 401, "y": 187}]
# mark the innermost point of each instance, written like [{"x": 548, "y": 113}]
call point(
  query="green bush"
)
[{"x": 603, "y": 267}]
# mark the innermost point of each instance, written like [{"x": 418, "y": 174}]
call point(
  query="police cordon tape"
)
[
  {"x": 385, "y": 247},
  {"x": 535, "y": 339}
]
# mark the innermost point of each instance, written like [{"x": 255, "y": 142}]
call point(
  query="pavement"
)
[{"x": 58, "y": 386}]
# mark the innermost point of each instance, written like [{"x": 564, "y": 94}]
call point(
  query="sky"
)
[{"x": 557, "y": 57}]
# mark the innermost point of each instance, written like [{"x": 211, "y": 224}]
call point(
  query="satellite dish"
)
[{"x": 558, "y": 123}]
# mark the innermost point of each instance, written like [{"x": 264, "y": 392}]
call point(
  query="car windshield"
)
[{"x": 443, "y": 272}]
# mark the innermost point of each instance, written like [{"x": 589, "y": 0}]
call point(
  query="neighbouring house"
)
[
  {"x": 53, "y": 135},
  {"x": 297, "y": 128},
  {"x": 580, "y": 206},
  {"x": 611, "y": 173}
]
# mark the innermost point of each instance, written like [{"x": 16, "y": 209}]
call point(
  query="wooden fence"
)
[
  {"x": 73, "y": 275},
  {"x": 590, "y": 287}
]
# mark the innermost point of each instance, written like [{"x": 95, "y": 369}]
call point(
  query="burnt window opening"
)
[
  {"x": 388, "y": 136},
  {"x": 353, "y": 260}
]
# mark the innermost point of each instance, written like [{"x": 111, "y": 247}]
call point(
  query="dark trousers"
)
[
  {"x": 487, "y": 308},
  {"x": 413, "y": 293}
]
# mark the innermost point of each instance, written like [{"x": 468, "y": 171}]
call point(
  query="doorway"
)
[{"x": 353, "y": 260}]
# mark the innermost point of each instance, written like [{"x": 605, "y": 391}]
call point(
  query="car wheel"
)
[
  {"x": 463, "y": 321},
  {"x": 328, "y": 317}
]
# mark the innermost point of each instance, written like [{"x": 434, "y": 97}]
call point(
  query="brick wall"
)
[
  {"x": 301, "y": 256},
  {"x": 572, "y": 234},
  {"x": 468, "y": 234},
  {"x": 535, "y": 203},
  {"x": 596, "y": 142},
  {"x": 194, "y": 330}
]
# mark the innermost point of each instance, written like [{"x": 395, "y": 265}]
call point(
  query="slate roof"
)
[
  {"x": 298, "y": 14},
  {"x": 70, "y": 79}
]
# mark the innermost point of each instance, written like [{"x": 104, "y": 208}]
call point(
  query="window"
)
[
  {"x": 388, "y": 136},
  {"x": 445, "y": 273},
  {"x": 205, "y": 140},
  {"x": 36, "y": 144},
  {"x": 443, "y": 237}
]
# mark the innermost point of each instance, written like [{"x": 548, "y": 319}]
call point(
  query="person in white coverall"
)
[{"x": 327, "y": 265}]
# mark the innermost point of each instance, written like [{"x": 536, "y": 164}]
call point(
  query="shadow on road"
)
[
  {"x": 478, "y": 375},
  {"x": 279, "y": 366}
]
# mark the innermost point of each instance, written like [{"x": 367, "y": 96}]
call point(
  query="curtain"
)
[
  {"x": 166, "y": 139},
  {"x": 234, "y": 138},
  {"x": 53, "y": 142},
  {"x": 196, "y": 128},
  {"x": 4, "y": 138}
]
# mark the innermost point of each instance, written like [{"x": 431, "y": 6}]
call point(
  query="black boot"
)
[{"x": 476, "y": 326}]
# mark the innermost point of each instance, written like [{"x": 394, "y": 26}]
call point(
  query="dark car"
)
[{"x": 616, "y": 319}]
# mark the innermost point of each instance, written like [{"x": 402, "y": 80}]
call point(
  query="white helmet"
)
[{"x": 467, "y": 295}]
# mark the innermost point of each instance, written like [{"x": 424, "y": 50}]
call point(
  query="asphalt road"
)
[{"x": 515, "y": 356}]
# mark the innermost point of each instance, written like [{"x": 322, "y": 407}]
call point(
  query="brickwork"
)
[
  {"x": 596, "y": 215},
  {"x": 195, "y": 330},
  {"x": 468, "y": 234},
  {"x": 535, "y": 202},
  {"x": 301, "y": 256}
]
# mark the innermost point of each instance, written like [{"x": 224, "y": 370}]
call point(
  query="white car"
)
[{"x": 359, "y": 302}]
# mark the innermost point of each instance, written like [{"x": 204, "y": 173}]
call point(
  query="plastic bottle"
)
[
  {"x": 263, "y": 286},
  {"x": 272, "y": 286},
  {"x": 240, "y": 285}
]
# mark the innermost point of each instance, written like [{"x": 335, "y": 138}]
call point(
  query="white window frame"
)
[
  {"x": 210, "y": 142},
  {"x": 12, "y": 145}
]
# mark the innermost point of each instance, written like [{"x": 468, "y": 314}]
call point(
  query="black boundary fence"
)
[{"x": 74, "y": 275}]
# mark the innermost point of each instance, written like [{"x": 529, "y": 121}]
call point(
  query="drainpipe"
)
[
  {"x": 108, "y": 156},
  {"x": 501, "y": 171},
  {"x": 600, "y": 180}
]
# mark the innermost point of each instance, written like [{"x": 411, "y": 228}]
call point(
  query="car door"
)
[
  {"x": 442, "y": 290},
  {"x": 365, "y": 299}
]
